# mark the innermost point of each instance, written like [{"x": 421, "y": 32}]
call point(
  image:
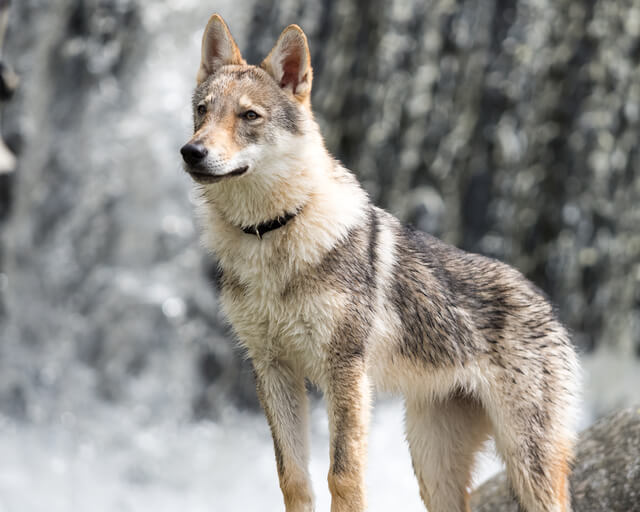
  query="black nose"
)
[{"x": 193, "y": 153}]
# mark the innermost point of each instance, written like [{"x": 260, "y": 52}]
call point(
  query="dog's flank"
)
[{"x": 345, "y": 295}]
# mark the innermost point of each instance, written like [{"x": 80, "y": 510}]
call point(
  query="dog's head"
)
[{"x": 247, "y": 118}]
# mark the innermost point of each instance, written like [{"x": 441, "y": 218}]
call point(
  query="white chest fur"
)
[{"x": 277, "y": 323}]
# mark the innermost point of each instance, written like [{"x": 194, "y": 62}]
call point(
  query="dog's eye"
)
[
  {"x": 250, "y": 115},
  {"x": 202, "y": 110}
]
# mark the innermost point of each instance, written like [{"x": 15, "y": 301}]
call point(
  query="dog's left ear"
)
[{"x": 289, "y": 63}]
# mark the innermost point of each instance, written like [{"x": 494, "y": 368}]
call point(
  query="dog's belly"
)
[{"x": 391, "y": 371}]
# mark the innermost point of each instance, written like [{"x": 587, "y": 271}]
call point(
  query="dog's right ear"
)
[{"x": 218, "y": 48}]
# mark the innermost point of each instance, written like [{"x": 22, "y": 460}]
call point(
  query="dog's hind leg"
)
[
  {"x": 537, "y": 458},
  {"x": 443, "y": 439},
  {"x": 531, "y": 406}
]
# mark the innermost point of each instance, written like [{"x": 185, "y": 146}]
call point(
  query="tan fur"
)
[
  {"x": 560, "y": 470},
  {"x": 347, "y": 297}
]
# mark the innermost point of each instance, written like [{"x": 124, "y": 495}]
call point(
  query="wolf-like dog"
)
[{"x": 320, "y": 284}]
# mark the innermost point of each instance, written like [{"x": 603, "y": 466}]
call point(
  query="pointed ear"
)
[
  {"x": 289, "y": 63},
  {"x": 218, "y": 48}
]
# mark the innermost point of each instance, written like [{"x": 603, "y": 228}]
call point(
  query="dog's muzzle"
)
[{"x": 194, "y": 155}]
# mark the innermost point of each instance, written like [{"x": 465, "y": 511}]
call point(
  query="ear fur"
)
[
  {"x": 218, "y": 48},
  {"x": 289, "y": 63}
]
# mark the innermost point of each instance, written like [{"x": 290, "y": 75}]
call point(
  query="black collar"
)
[{"x": 260, "y": 229}]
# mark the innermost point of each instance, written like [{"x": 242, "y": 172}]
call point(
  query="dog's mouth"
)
[{"x": 205, "y": 178}]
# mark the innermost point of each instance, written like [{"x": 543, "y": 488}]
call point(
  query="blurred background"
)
[{"x": 506, "y": 127}]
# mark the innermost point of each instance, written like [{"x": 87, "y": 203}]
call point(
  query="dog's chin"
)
[{"x": 204, "y": 178}]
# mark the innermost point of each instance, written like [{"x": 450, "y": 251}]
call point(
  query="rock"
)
[{"x": 606, "y": 474}]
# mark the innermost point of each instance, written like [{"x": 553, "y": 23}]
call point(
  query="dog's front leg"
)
[
  {"x": 348, "y": 397},
  {"x": 283, "y": 396}
]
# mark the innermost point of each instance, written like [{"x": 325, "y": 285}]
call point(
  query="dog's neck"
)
[
  {"x": 255, "y": 200},
  {"x": 329, "y": 200}
]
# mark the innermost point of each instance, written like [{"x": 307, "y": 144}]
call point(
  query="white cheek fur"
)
[{"x": 249, "y": 156}]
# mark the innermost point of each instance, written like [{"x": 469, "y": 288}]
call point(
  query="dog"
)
[{"x": 320, "y": 284}]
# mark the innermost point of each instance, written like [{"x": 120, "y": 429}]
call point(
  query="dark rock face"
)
[{"x": 606, "y": 474}]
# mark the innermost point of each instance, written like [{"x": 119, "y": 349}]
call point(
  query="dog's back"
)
[{"x": 319, "y": 283}]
